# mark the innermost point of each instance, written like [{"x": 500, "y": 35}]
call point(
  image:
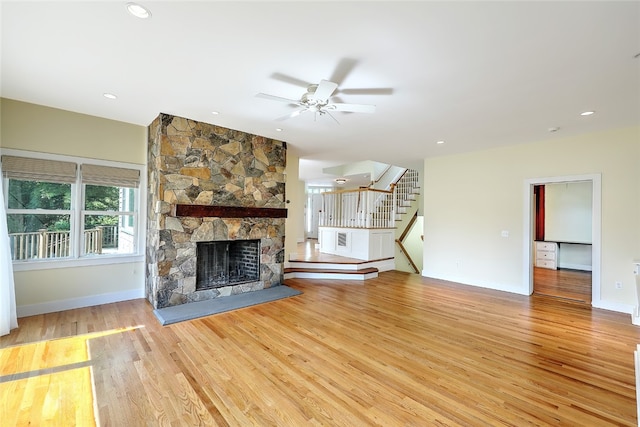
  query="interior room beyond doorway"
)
[{"x": 562, "y": 240}]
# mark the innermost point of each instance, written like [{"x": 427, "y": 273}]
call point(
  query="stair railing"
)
[
  {"x": 361, "y": 208},
  {"x": 368, "y": 207},
  {"x": 404, "y": 189}
]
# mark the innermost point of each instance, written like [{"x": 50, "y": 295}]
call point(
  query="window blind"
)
[
  {"x": 30, "y": 169},
  {"x": 107, "y": 175}
]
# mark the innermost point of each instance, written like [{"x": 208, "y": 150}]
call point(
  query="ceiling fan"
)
[{"x": 317, "y": 100}]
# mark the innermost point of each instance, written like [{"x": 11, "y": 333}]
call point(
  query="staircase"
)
[
  {"x": 309, "y": 264},
  {"x": 406, "y": 193}
]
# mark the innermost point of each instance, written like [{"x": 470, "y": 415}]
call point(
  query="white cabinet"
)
[
  {"x": 547, "y": 255},
  {"x": 360, "y": 243}
]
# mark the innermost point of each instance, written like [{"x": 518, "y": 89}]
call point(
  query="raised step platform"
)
[
  {"x": 345, "y": 269},
  {"x": 310, "y": 263},
  {"x": 328, "y": 273}
]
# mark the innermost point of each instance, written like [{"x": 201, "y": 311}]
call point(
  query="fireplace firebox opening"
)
[{"x": 227, "y": 262}]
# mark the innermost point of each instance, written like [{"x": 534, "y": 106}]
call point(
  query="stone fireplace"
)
[{"x": 216, "y": 216}]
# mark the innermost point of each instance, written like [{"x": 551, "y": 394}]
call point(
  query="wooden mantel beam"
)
[{"x": 203, "y": 211}]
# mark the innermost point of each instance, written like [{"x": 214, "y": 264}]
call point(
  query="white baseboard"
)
[
  {"x": 605, "y": 305},
  {"x": 635, "y": 319},
  {"x": 636, "y": 358},
  {"x": 582, "y": 267},
  {"x": 613, "y": 306},
  {"x": 69, "y": 304}
]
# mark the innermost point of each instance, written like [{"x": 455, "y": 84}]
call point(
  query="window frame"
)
[{"x": 77, "y": 213}]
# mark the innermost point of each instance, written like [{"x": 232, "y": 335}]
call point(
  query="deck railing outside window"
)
[{"x": 45, "y": 244}]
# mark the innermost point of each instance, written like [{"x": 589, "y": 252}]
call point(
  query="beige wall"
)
[
  {"x": 48, "y": 130},
  {"x": 48, "y": 287},
  {"x": 471, "y": 198},
  {"x": 36, "y": 128},
  {"x": 295, "y": 194}
]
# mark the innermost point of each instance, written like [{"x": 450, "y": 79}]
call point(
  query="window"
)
[{"x": 57, "y": 209}]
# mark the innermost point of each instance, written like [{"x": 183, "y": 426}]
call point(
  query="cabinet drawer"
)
[
  {"x": 544, "y": 263},
  {"x": 545, "y": 255},
  {"x": 546, "y": 246}
]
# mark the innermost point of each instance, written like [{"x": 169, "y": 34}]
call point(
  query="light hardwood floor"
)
[
  {"x": 563, "y": 283},
  {"x": 396, "y": 350}
]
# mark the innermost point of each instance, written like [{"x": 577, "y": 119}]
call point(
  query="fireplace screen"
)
[{"x": 228, "y": 262}]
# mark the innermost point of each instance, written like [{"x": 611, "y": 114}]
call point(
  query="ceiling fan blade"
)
[
  {"x": 324, "y": 90},
  {"x": 277, "y": 98},
  {"x": 292, "y": 115},
  {"x": 343, "y": 69},
  {"x": 291, "y": 80},
  {"x": 368, "y": 91},
  {"x": 352, "y": 108}
]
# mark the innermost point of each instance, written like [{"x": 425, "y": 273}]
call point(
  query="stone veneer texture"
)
[{"x": 197, "y": 163}]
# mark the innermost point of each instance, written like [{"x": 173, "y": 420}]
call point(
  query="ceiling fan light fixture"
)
[
  {"x": 138, "y": 11},
  {"x": 317, "y": 99}
]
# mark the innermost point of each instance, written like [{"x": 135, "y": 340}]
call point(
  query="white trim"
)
[
  {"x": 477, "y": 284},
  {"x": 330, "y": 276},
  {"x": 65, "y": 158},
  {"x": 582, "y": 267},
  {"x": 81, "y": 302},
  {"x": 614, "y": 306},
  {"x": 596, "y": 235},
  {"x": 381, "y": 265},
  {"x": 52, "y": 264},
  {"x": 636, "y": 360}
]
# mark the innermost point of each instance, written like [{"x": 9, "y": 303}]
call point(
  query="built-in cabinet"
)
[
  {"x": 555, "y": 255},
  {"x": 359, "y": 243},
  {"x": 547, "y": 255}
]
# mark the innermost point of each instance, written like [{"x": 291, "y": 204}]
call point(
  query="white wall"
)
[
  {"x": 568, "y": 218},
  {"x": 469, "y": 199},
  {"x": 567, "y": 213},
  {"x": 36, "y": 128}
]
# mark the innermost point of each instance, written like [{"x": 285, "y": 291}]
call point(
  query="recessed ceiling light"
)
[
  {"x": 278, "y": 129},
  {"x": 215, "y": 113},
  {"x": 439, "y": 142},
  {"x": 587, "y": 113},
  {"x": 138, "y": 11},
  {"x": 554, "y": 129},
  {"x": 109, "y": 95}
]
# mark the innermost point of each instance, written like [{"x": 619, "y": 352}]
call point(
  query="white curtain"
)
[{"x": 8, "y": 317}]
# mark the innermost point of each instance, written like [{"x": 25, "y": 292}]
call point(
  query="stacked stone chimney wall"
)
[{"x": 196, "y": 163}]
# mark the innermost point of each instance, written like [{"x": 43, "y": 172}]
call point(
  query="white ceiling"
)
[{"x": 474, "y": 74}]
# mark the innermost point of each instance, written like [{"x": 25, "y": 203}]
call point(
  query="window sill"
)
[{"x": 50, "y": 264}]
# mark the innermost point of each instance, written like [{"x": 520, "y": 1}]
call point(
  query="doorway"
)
[{"x": 570, "y": 283}]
